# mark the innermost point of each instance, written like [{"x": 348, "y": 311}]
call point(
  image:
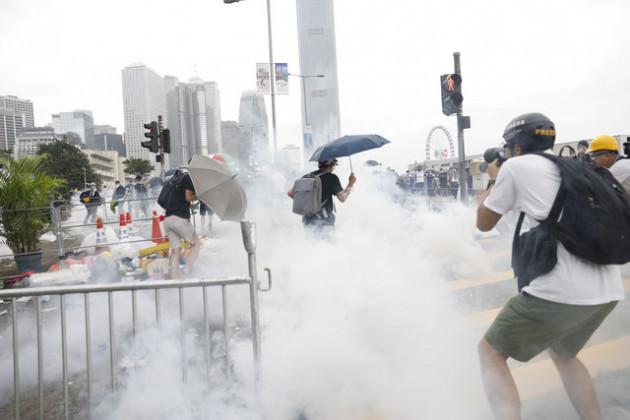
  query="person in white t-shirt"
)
[
  {"x": 557, "y": 311},
  {"x": 604, "y": 151}
]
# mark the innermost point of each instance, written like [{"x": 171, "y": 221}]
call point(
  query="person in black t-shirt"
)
[
  {"x": 331, "y": 186},
  {"x": 177, "y": 226}
]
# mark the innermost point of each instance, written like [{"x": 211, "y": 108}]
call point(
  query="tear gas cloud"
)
[{"x": 360, "y": 327}]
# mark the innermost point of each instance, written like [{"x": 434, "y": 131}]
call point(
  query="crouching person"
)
[{"x": 177, "y": 226}]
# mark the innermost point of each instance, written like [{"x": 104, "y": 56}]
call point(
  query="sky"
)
[{"x": 566, "y": 59}]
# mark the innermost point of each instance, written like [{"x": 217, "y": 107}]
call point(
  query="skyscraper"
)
[
  {"x": 194, "y": 118},
  {"x": 78, "y": 122},
  {"x": 21, "y": 106},
  {"x": 11, "y": 124},
  {"x": 143, "y": 101},
  {"x": 318, "y": 55},
  {"x": 252, "y": 119}
]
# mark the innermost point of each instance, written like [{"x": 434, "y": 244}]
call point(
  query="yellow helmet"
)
[{"x": 604, "y": 143}]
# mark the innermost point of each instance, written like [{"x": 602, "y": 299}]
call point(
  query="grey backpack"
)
[{"x": 307, "y": 195}]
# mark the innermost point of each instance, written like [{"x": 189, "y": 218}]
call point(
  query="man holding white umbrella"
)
[{"x": 177, "y": 226}]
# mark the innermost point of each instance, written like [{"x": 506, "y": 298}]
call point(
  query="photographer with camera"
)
[
  {"x": 604, "y": 151},
  {"x": 557, "y": 311}
]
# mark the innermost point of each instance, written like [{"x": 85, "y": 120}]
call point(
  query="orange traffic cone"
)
[
  {"x": 122, "y": 228},
  {"x": 157, "y": 236},
  {"x": 101, "y": 239},
  {"x": 130, "y": 231}
]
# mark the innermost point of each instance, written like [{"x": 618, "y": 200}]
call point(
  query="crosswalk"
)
[{"x": 608, "y": 350}]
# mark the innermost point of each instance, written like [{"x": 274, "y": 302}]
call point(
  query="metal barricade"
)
[{"x": 133, "y": 288}]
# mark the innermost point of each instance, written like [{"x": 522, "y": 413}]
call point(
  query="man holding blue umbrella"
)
[{"x": 324, "y": 221}]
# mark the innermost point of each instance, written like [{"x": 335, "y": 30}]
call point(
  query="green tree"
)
[
  {"x": 66, "y": 161},
  {"x": 26, "y": 192},
  {"x": 6, "y": 154},
  {"x": 136, "y": 167}
]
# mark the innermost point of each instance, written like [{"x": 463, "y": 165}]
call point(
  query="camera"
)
[{"x": 494, "y": 153}]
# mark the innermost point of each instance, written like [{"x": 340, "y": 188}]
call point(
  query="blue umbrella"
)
[{"x": 348, "y": 145}]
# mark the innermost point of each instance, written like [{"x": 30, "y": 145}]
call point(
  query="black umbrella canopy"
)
[
  {"x": 371, "y": 162},
  {"x": 348, "y": 145}
]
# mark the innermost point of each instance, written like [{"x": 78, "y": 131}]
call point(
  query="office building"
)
[
  {"x": 318, "y": 55},
  {"x": 193, "y": 115},
  {"x": 231, "y": 138},
  {"x": 107, "y": 165},
  {"x": 104, "y": 129},
  {"x": 20, "y": 106},
  {"x": 29, "y": 140},
  {"x": 252, "y": 120},
  {"x": 143, "y": 101},
  {"x": 79, "y": 122},
  {"x": 11, "y": 124}
]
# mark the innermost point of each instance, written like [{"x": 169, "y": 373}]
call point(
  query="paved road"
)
[{"x": 607, "y": 354}]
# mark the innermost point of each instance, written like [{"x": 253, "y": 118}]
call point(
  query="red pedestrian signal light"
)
[
  {"x": 153, "y": 144},
  {"x": 451, "y": 93}
]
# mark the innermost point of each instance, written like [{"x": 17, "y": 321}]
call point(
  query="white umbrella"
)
[{"x": 216, "y": 185}]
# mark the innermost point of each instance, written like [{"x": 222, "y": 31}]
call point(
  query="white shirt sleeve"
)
[{"x": 502, "y": 198}]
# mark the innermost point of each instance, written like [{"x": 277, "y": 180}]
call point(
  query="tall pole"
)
[
  {"x": 160, "y": 131},
  {"x": 304, "y": 99},
  {"x": 463, "y": 179},
  {"x": 273, "y": 83}
]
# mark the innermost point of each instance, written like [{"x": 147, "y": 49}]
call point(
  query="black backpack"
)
[
  {"x": 171, "y": 196},
  {"x": 590, "y": 216}
]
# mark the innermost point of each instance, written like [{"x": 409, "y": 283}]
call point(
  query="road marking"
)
[
  {"x": 480, "y": 280},
  {"x": 499, "y": 254},
  {"x": 485, "y": 318},
  {"x": 486, "y": 241},
  {"x": 539, "y": 378}
]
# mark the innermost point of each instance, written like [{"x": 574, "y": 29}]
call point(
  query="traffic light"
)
[
  {"x": 153, "y": 145},
  {"x": 166, "y": 140},
  {"x": 451, "y": 93}
]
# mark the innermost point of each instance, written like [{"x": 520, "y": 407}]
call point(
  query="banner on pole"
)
[
  {"x": 263, "y": 78},
  {"x": 308, "y": 138},
  {"x": 280, "y": 77}
]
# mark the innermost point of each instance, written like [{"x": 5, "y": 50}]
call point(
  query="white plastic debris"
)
[{"x": 77, "y": 273}]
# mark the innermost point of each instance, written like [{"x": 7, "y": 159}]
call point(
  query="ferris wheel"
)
[{"x": 439, "y": 144}]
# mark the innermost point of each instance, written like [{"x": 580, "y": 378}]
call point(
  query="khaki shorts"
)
[
  {"x": 178, "y": 228},
  {"x": 528, "y": 325}
]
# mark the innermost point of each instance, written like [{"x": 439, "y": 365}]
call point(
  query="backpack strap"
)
[{"x": 558, "y": 202}]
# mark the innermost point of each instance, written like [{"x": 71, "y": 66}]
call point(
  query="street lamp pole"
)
[
  {"x": 303, "y": 77},
  {"x": 273, "y": 76},
  {"x": 273, "y": 83}
]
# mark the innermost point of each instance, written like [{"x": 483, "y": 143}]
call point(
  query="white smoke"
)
[{"x": 358, "y": 327}]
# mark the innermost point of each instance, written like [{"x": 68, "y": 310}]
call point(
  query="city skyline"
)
[{"x": 516, "y": 57}]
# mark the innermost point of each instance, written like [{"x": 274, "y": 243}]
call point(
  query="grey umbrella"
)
[{"x": 216, "y": 185}]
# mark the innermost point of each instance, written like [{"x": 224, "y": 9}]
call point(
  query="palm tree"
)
[{"x": 25, "y": 194}]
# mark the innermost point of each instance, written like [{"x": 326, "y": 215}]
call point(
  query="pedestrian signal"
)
[{"x": 451, "y": 93}]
